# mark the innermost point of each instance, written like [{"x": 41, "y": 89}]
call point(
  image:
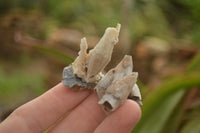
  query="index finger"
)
[{"x": 38, "y": 114}]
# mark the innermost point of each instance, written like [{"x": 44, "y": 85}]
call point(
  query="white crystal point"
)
[
  {"x": 79, "y": 63},
  {"x": 136, "y": 91},
  {"x": 118, "y": 27},
  {"x": 100, "y": 56},
  {"x": 109, "y": 102},
  {"x": 136, "y": 95},
  {"x": 121, "y": 70}
]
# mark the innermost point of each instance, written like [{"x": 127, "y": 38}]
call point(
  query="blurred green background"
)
[{"x": 39, "y": 38}]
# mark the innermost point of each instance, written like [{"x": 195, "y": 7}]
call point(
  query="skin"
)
[{"x": 62, "y": 110}]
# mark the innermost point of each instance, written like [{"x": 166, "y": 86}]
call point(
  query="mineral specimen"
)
[
  {"x": 118, "y": 92},
  {"x": 100, "y": 56},
  {"x": 121, "y": 70},
  {"x": 116, "y": 85},
  {"x": 74, "y": 82},
  {"x": 88, "y": 66}
]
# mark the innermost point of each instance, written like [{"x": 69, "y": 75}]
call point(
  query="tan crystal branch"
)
[{"x": 88, "y": 66}]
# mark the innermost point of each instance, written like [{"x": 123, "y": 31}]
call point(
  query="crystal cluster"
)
[{"x": 112, "y": 88}]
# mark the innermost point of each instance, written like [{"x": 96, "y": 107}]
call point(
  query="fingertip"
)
[
  {"x": 130, "y": 112},
  {"x": 133, "y": 111},
  {"x": 123, "y": 119}
]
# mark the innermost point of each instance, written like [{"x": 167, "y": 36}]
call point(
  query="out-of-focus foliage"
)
[
  {"x": 163, "y": 36},
  {"x": 19, "y": 84},
  {"x": 159, "y": 105},
  {"x": 195, "y": 64},
  {"x": 166, "y": 19},
  {"x": 156, "y": 120},
  {"x": 58, "y": 55},
  {"x": 192, "y": 126},
  {"x": 86, "y": 15},
  {"x": 162, "y": 104}
]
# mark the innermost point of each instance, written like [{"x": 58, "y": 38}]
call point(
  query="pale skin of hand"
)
[{"x": 77, "y": 112}]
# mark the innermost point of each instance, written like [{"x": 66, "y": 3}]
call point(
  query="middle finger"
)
[{"x": 84, "y": 118}]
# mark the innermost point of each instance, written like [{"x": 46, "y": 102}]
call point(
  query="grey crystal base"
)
[{"x": 70, "y": 80}]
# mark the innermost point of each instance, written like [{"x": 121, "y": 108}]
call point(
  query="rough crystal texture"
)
[
  {"x": 100, "y": 56},
  {"x": 116, "y": 85},
  {"x": 116, "y": 94},
  {"x": 79, "y": 64},
  {"x": 122, "y": 69},
  {"x": 135, "y": 95},
  {"x": 88, "y": 66},
  {"x": 74, "y": 82}
]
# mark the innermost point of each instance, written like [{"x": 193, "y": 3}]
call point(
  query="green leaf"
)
[
  {"x": 194, "y": 64},
  {"x": 164, "y": 91},
  {"x": 158, "y": 118},
  {"x": 62, "y": 57},
  {"x": 174, "y": 121},
  {"x": 19, "y": 86},
  {"x": 192, "y": 127}
]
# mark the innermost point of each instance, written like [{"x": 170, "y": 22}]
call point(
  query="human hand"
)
[{"x": 62, "y": 110}]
